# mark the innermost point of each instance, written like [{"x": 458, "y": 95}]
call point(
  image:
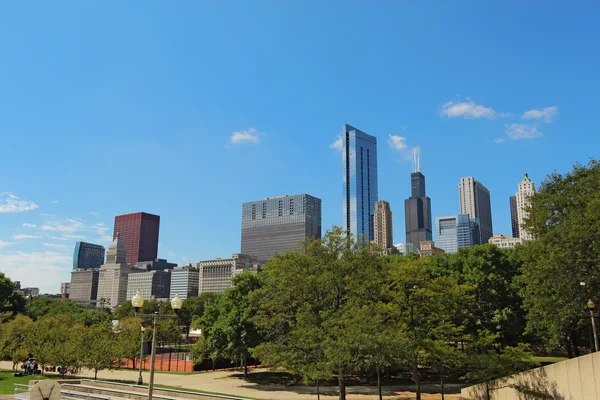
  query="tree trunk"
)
[
  {"x": 342, "y": 386},
  {"x": 569, "y": 349},
  {"x": 574, "y": 341},
  {"x": 417, "y": 379},
  {"x": 442, "y": 381},
  {"x": 245, "y": 361},
  {"x": 379, "y": 383},
  {"x": 95, "y": 374},
  {"x": 488, "y": 392},
  {"x": 318, "y": 391}
]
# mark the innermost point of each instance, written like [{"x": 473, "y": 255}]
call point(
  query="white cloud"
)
[
  {"x": 468, "y": 109},
  {"x": 57, "y": 246},
  {"x": 9, "y": 203},
  {"x": 45, "y": 270},
  {"x": 20, "y": 236},
  {"x": 62, "y": 225},
  {"x": 3, "y": 244},
  {"x": 28, "y": 225},
  {"x": 94, "y": 213},
  {"x": 499, "y": 140},
  {"x": 242, "y": 137},
  {"x": 55, "y": 202},
  {"x": 338, "y": 143},
  {"x": 58, "y": 228},
  {"x": 397, "y": 142},
  {"x": 541, "y": 113},
  {"x": 519, "y": 131}
]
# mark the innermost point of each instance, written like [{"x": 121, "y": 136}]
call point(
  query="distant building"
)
[
  {"x": 184, "y": 281},
  {"x": 30, "y": 291},
  {"x": 277, "y": 224},
  {"x": 405, "y": 248},
  {"x": 113, "y": 277},
  {"x": 158, "y": 264},
  {"x": 215, "y": 275},
  {"x": 514, "y": 217},
  {"x": 87, "y": 255},
  {"x": 64, "y": 290},
  {"x": 152, "y": 285},
  {"x": 475, "y": 201},
  {"x": 526, "y": 190},
  {"x": 139, "y": 232},
  {"x": 360, "y": 182},
  {"x": 454, "y": 232},
  {"x": 383, "y": 225},
  {"x": 506, "y": 242},
  {"x": 83, "y": 287},
  {"x": 417, "y": 208},
  {"x": 427, "y": 248}
]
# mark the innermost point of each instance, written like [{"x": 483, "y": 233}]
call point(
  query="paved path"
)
[{"x": 224, "y": 382}]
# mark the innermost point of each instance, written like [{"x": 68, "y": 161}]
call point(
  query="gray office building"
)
[
  {"x": 158, "y": 264},
  {"x": 417, "y": 208},
  {"x": 152, "y": 285},
  {"x": 514, "y": 217},
  {"x": 184, "y": 281},
  {"x": 84, "y": 286},
  {"x": 87, "y": 256},
  {"x": 360, "y": 182},
  {"x": 278, "y": 224},
  {"x": 475, "y": 200},
  {"x": 454, "y": 232}
]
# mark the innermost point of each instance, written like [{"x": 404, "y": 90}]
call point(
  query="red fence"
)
[{"x": 171, "y": 361}]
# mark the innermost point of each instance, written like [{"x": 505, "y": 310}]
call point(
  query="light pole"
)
[
  {"x": 140, "y": 381},
  {"x": 591, "y": 306},
  {"x": 137, "y": 302}
]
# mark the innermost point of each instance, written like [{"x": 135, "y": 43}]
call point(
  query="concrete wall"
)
[{"x": 574, "y": 379}]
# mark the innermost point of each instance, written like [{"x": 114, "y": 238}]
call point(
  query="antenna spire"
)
[{"x": 416, "y": 159}]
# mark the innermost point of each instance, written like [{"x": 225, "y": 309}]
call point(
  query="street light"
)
[
  {"x": 137, "y": 302},
  {"x": 591, "y": 306},
  {"x": 140, "y": 381}
]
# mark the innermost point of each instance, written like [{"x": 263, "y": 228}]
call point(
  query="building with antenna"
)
[{"x": 417, "y": 207}]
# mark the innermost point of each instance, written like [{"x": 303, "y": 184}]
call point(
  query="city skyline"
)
[{"x": 161, "y": 130}]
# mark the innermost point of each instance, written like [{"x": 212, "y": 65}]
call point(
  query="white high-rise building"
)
[
  {"x": 506, "y": 242},
  {"x": 475, "y": 201},
  {"x": 215, "y": 275},
  {"x": 526, "y": 190}
]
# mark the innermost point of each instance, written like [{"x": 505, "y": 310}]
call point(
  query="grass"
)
[
  {"x": 547, "y": 360},
  {"x": 7, "y": 381}
]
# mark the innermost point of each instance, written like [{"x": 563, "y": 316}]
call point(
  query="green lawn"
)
[
  {"x": 547, "y": 360},
  {"x": 7, "y": 379}
]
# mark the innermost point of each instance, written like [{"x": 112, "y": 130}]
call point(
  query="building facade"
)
[
  {"x": 113, "y": 276},
  {"x": 506, "y": 242},
  {"x": 523, "y": 197},
  {"x": 184, "y": 281},
  {"x": 215, "y": 275},
  {"x": 475, "y": 201},
  {"x": 417, "y": 208},
  {"x": 360, "y": 182},
  {"x": 64, "y": 290},
  {"x": 405, "y": 248},
  {"x": 139, "y": 232},
  {"x": 454, "y": 232},
  {"x": 158, "y": 264},
  {"x": 87, "y": 256},
  {"x": 152, "y": 285},
  {"x": 277, "y": 224},
  {"x": 428, "y": 248},
  {"x": 383, "y": 225},
  {"x": 514, "y": 217},
  {"x": 84, "y": 286}
]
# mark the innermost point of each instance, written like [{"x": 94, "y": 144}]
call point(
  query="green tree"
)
[
  {"x": 45, "y": 306},
  {"x": 193, "y": 308},
  {"x": 101, "y": 350},
  {"x": 10, "y": 302},
  {"x": 12, "y": 339},
  {"x": 129, "y": 337},
  {"x": 565, "y": 219}
]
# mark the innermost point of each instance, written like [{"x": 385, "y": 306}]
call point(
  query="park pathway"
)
[{"x": 224, "y": 382}]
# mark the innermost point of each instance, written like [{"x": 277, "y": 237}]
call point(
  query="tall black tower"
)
[{"x": 417, "y": 208}]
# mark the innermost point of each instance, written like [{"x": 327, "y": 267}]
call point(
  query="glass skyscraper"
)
[
  {"x": 87, "y": 256},
  {"x": 277, "y": 224},
  {"x": 454, "y": 232},
  {"x": 360, "y": 182}
]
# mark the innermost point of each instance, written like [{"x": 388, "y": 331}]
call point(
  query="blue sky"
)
[{"x": 187, "y": 109}]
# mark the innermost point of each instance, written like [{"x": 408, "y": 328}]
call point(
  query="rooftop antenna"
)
[{"x": 416, "y": 160}]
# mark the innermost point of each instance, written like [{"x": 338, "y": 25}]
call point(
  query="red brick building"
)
[{"x": 139, "y": 233}]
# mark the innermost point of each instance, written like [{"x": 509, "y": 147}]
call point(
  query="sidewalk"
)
[{"x": 223, "y": 382}]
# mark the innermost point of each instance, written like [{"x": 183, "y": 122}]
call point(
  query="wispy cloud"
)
[
  {"x": 51, "y": 268},
  {"x": 20, "y": 236},
  {"x": 3, "y": 244},
  {"x": 499, "y": 140},
  {"x": 55, "y": 202},
  {"x": 397, "y": 142},
  {"x": 243, "y": 137},
  {"x": 338, "y": 143},
  {"x": 58, "y": 228},
  {"x": 541, "y": 113},
  {"x": 28, "y": 225},
  {"x": 57, "y": 246},
  {"x": 9, "y": 203},
  {"x": 520, "y": 131},
  {"x": 94, "y": 213},
  {"x": 469, "y": 109}
]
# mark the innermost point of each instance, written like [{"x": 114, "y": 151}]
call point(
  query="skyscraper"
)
[
  {"x": 277, "y": 224},
  {"x": 360, "y": 182},
  {"x": 87, "y": 256},
  {"x": 417, "y": 207},
  {"x": 514, "y": 217},
  {"x": 184, "y": 281},
  {"x": 526, "y": 190},
  {"x": 383, "y": 225},
  {"x": 216, "y": 275},
  {"x": 455, "y": 232},
  {"x": 475, "y": 201},
  {"x": 139, "y": 233}
]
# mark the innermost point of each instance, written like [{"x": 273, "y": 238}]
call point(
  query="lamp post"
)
[
  {"x": 137, "y": 302},
  {"x": 591, "y": 306},
  {"x": 140, "y": 381}
]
